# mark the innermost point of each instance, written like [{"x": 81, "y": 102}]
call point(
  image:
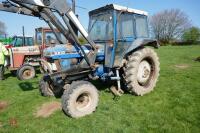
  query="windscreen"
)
[
  {"x": 101, "y": 27},
  {"x": 49, "y": 36},
  {"x": 18, "y": 41}
]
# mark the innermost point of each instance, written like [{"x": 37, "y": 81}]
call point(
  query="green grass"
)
[{"x": 174, "y": 105}]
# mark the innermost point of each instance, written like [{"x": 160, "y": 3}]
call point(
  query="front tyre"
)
[
  {"x": 48, "y": 90},
  {"x": 142, "y": 71},
  {"x": 80, "y": 99},
  {"x": 45, "y": 89}
]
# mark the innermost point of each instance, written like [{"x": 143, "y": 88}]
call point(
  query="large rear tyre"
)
[
  {"x": 80, "y": 99},
  {"x": 142, "y": 71},
  {"x": 26, "y": 72},
  {"x": 48, "y": 90}
]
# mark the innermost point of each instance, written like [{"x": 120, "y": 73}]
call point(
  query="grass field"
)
[{"x": 174, "y": 105}]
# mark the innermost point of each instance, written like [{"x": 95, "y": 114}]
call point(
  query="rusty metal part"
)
[
  {"x": 116, "y": 91},
  {"x": 74, "y": 61},
  {"x": 58, "y": 66},
  {"x": 44, "y": 64}
]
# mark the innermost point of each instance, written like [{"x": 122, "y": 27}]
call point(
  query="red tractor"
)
[{"x": 25, "y": 53}]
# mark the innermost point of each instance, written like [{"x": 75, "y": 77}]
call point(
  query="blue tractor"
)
[
  {"x": 118, "y": 53},
  {"x": 121, "y": 35}
]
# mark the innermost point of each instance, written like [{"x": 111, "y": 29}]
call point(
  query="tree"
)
[
  {"x": 2, "y": 28},
  {"x": 168, "y": 25},
  {"x": 191, "y": 35}
]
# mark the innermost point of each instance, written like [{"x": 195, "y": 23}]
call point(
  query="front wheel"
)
[
  {"x": 80, "y": 99},
  {"x": 142, "y": 71},
  {"x": 48, "y": 90}
]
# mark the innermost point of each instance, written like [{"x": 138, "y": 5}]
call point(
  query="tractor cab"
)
[{"x": 115, "y": 28}]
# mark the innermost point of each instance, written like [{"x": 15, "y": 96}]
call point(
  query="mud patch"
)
[
  {"x": 3, "y": 105},
  {"x": 47, "y": 109},
  {"x": 13, "y": 122},
  {"x": 182, "y": 66}
]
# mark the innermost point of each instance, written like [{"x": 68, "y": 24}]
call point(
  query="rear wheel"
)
[
  {"x": 142, "y": 71},
  {"x": 80, "y": 99},
  {"x": 26, "y": 72}
]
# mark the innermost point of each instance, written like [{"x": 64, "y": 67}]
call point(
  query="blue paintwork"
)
[
  {"x": 65, "y": 64},
  {"x": 114, "y": 37},
  {"x": 100, "y": 57},
  {"x": 62, "y": 52},
  {"x": 128, "y": 39},
  {"x": 66, "y": 56},
  {"x": 99, "y": 71},
  {"x": 103, "y": 73},
  {"x": 51, "y": 50}
]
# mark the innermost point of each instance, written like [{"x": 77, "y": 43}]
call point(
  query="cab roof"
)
[{"x": 118, "y": 8}]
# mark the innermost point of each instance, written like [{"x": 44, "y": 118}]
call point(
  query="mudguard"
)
[{"x": 140, "y": 42}]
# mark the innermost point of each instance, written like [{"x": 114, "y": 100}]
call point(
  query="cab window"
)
[
  {"x": 29, "y": 41},
  {"x": 141, "y": 26},
  {"x": 39, "y": 38},
  {"x": 126, "y": 26},
  {"x": 18, "y": 42}
]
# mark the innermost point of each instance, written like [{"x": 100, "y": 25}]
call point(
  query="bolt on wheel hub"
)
[
  {"x": 26, "y": 73},
  {"x": 83, "y": 101}
]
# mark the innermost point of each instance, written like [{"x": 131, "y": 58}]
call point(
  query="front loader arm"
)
[
  {"x": 8, "y": 7},
  {"x": 59, "y": 14}
]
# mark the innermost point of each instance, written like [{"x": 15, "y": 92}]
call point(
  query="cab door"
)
[{"x": 125, "y": 35}]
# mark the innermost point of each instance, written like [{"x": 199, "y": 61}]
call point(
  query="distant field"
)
[{"x": 174, "y": 105}]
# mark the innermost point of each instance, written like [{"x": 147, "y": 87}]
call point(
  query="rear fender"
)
[
  {"x": 141, "y": 43},
  {"x": 138, "y": 43}
]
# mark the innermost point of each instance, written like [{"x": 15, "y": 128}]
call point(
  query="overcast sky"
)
[{"x": 14, "y": 22}]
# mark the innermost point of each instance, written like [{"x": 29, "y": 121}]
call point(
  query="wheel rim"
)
[
  {"x": 27, "y": 74},
  {"x": 144, "y": 72},
  {"x": 83, "y": 101}
]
